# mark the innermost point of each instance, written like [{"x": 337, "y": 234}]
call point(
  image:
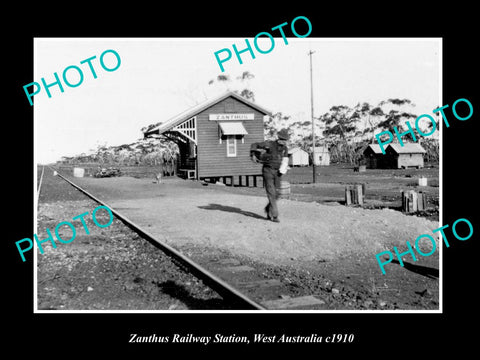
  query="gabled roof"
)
[
  {"x": 189, "y": 113},
  {"x": 407, "y": 148},
  {"x": 295, "y": 149},
  {"x": 375, "y": 148}
]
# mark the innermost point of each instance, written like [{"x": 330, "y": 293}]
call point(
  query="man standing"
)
[{"x": 273, "y": 154}]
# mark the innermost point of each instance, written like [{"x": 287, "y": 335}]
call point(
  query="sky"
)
[{"x": 161, "y": 77}]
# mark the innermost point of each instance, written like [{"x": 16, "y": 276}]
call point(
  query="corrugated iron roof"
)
[
  {"x": 407, "y": 148},
  {"x": 191, "y": 112},
  {"x": 375, "y": 147}
]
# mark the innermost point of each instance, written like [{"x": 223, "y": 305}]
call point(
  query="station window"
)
[{"x": 231, "y": 145}]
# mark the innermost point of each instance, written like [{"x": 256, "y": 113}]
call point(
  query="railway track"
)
[
  {"x": 247, "y": 287},
  {"x": 39, "y": 185},
  {"x": 228, "y": 292}
]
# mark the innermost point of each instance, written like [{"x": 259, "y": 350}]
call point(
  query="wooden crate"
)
[
  {"x": 413, "y": 201},
  {"x": 354, "y": 194}
]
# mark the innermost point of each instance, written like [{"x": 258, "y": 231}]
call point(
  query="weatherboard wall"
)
[
  {"x": 410, "y": 160},
  {"x": 212, "y": 159}
]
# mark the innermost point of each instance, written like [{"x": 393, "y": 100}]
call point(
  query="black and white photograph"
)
[
  {"x": 272, "y": 187},
  {"x": 221, "y": 168}
]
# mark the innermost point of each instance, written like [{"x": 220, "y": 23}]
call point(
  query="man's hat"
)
[{"x": 283, "y": 134}]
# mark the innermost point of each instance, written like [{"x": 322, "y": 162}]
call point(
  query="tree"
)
[
  {"x": 373, "y": 120},
  {"x": 248, "y": 94},
  {"x": 241, "y": 85},
  {"x": 394, "y": 117},
  {"x": 246, "y": 75},
  {"x": 365, "y": 111},
  {"x": 341, "y": 129},
  {"x": 274, "y": 123},
  {"x": 340, "y": 121}
]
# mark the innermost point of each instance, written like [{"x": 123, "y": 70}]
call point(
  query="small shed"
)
[
  {"x": 408, "y": 155},
  {"x": 297, "y": 157},
  {"x": 214, "y": 137},
  {"x": 322, "y": 155},
  {"x": 374, "y": 158}
]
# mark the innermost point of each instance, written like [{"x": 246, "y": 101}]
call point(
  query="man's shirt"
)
[{"x": 273, "y": 154}]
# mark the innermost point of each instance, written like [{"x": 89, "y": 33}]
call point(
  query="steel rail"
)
[
  {"x": 40, "y": 183},
  {"x": 221, "y": 287}
]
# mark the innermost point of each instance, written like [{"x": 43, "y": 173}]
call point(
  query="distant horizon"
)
[{"x": 159, "y": 78}]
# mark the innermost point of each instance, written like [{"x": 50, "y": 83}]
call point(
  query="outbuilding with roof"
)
[
  {"x": 396, "y": 156},
  {"x": 407, "y": 156},
  {"x": 374, "y": 158},
  {"x": 298, "y": 157}
]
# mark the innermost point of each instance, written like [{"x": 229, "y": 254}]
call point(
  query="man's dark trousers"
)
[{"x": 271, "y": 181}]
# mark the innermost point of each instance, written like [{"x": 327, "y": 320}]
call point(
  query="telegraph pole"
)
[{"x": 313, "y": 120}]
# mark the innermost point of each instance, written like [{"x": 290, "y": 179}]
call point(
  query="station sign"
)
[{"x": 227, "y": 117}]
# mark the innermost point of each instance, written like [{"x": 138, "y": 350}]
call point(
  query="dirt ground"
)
[
  {"x": 383, "y": 186},
  {"x": 326, "y": 248},
  {"x": 110, "y": 268}
]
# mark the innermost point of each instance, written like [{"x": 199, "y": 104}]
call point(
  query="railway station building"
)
[{"x": 214, "y": 139}]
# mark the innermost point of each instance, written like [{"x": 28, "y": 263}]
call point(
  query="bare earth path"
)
[{"x": 336, "y": 241}]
